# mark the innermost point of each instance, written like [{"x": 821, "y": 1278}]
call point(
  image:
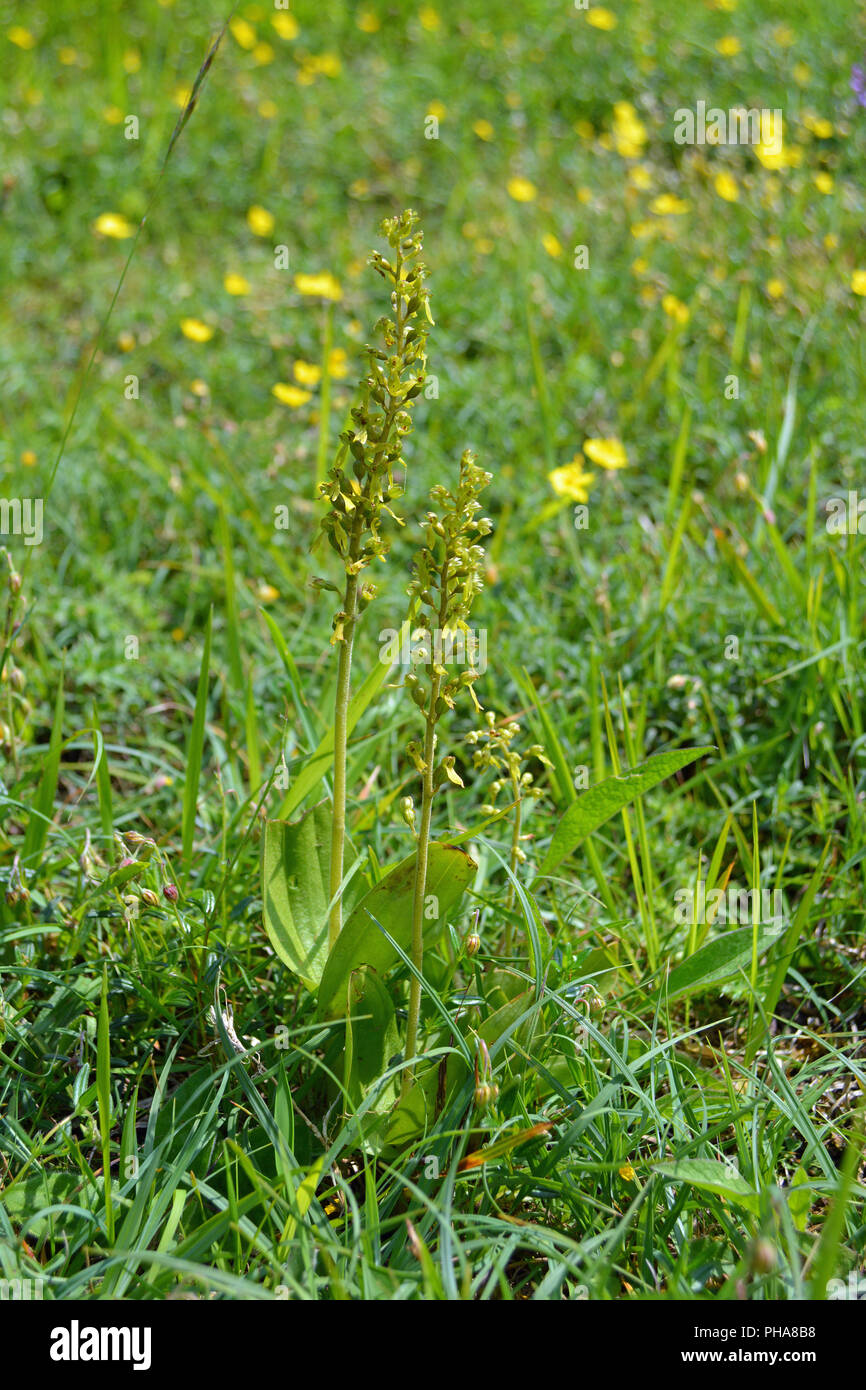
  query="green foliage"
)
[{"x": 606, "y": 1103}]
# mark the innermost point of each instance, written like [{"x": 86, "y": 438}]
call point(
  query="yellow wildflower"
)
[
  {"x": 521, "y": 190},
  {"x": 236, "y": 284},
  {"x": 290, "y": 395},
  {"x": 726, "y": 186},
  {"x": 286, "y": 26},
  {"x": 607, "y": 453},
  {"x": 114, "y": 225},
  {"x": 260, "y": 221},
  {"x": 322, "y": 285},
  {"x": 552, "y": 245},
  {"x": 307, "y": 373},
  {"x": 571, "y": 481},
  {"x": 675, "y": 308},
  {"x": 667, "y": 205},
  {"x": 22, "y": 38},
  {"x": 243, "y": 33},
  {"x": 601, "y": 18},
  {"x": 196, "y": 331}
]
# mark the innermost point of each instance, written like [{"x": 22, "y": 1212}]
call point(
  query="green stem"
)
[
  {"x": 421, "y": 884},
  {"x": 341, "y": 734},
  {"x": 515, "y": 845}
]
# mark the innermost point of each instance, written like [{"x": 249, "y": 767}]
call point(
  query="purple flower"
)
[{"x": 858, "y": 83}]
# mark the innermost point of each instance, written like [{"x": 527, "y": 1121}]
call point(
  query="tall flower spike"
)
[
  {"x": 448, "y": 576},
  {"x": 360, "y": 487}
]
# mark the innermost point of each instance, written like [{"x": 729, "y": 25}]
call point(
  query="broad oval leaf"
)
[
  {"x": 719, "y": 960},
  {"x": 450, "y": 871},
  {"x": 295, "y": 895},
  {"x": 708, "y": 1175},
  {"x": 600, "y": 803}
]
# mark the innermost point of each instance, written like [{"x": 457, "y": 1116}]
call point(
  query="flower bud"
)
[{"x": 472, "y": 944}]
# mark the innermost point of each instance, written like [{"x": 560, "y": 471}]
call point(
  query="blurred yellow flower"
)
[
  {"x": 131, "y": 60},
  {"x": 629, "y": 131},
  {"x": 802, "y": 74},
  {"x": 675, "y": 309},
  {"x": 28, "y": 458},
  {"x": 437, "y": 109},
  {"x": 113, "y": 115},
  {"x": 858, "y": 282},
  {"x": 307, "y": 373},
  {"x": 68, "y": 56},
  {"x": 639, "y": 176},
  {"x": 125, "y": 341},
  {"x": 600, "y": 18},
  {"x": 338, "y": 363},
  {"x": 521, "y": 190},
  {"x": 483, "y": 129},
  {"x": 429, "y": 18},
  {"x": 627, "y": 1173},
  {"x": 726, "y": 186},
  {"x": 322, "y": 285},
  {"x": 243, "y": 33},
  {"x": 819, "y": 126},
  {"x": 268, "y": 109},
  {"x": 775, "y": 288},
  {"x": 22, "y": 38},
  {"x": 286, "y": 26},
  {"x": 607, "y": 453},
  {"x": 290, "y": 395},
  {"x": 199, "y": 388},
  {"x": 824, "y": 182},
  {"x": 181, "y": 96},
  {"x": 770, "y": 149},
  {"x": 236, "y": 284},
  {"x": 667, "y": 204},
  {"x": 368, "y": 22},
  {"x": 328, "y": 64},
  {"x": 552, "y": 245},
  {"x": 729, "y": 46},
  {"x": 196, "y": 331},
  {"x": 784, "y": 35},
  {"x": 571, "y": 481},
  {"x": 113, "y": 224},
  {"x": 266, "y": 593},
  {"x": 263, "y": 53},
  {"x": 260, "y": 221}
]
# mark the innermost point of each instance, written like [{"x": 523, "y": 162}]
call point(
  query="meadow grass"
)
[{"x": 678, "y": 1104}]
